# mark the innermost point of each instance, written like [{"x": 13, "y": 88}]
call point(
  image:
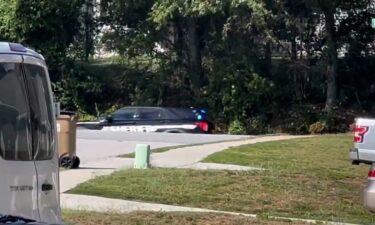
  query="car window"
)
[
  {"x": 15, "y": 127},
  {"x": 124, "y": 114},
  {"x": 151, "y": 114},
  {"x": 41, "y": 112},
  {"x": 183, "y": 114}
]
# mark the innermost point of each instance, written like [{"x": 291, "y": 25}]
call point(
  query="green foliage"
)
[
  {"x": 256, "y": 125},
  {"x": 305, "y": 119},
  {"x": 7, "y": 12},
  {"x": 94, "y": 88},
  {"x": 300, "y": 118},
  {"x": 164, "y": 10},
  {"x": 48, "y": 26},
  {"x": 335, "y": 121},
  {"x": 237, "y": 128},
  {"x": 229, "y": 93},
  {"x": 225, "y": 44},
  {"x": 254, "y": 61},
  {"x": 86, "y": 117}
]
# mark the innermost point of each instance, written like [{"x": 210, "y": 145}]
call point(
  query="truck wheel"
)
[
  {"x": 76, "y": 162},
  {"x": 65, "y": 161}
]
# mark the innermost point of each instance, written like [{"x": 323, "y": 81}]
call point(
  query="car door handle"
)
[{"x": 47, "y": 187}]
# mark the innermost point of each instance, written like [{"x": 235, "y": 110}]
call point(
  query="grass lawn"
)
[
  {"x": 308, "y": 178},
  {"x": 143, "y": 218}
]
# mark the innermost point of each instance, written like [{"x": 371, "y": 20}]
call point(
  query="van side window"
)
[
  {"x": 41, "y": 112},
  {"x": 15, "y": 135}
]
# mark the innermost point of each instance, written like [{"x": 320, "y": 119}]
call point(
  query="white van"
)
[{"x": 29, "y": 175}]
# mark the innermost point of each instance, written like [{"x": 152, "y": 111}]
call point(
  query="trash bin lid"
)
[{"x": 67, "y": 113}]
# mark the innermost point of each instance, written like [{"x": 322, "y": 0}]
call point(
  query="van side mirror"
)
[{"x": 56, "y": 109}]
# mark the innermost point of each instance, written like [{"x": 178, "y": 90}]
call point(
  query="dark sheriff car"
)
[{"x": 154, "y": 119}]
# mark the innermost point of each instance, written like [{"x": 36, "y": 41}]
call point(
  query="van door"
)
[
  {"x": 44, "y": 142},
  {"x": 18, "y": 185}
]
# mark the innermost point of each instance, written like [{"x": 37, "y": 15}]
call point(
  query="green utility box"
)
[{"x": 142, "y": 156}]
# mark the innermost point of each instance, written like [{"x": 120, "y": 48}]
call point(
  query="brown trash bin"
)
[{"x": 66, "y": 127}]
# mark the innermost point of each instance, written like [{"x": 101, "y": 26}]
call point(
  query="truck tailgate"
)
[{"x": 364, "y": 141}]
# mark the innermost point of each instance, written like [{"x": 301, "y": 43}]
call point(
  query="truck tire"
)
[{"x": 76, "y": 162}]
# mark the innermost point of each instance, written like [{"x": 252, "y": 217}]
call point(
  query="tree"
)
[
  {"x": 329, "y": 9},
  {"x": 194, "y": 21},
  {"x": 48, "y": 26}
]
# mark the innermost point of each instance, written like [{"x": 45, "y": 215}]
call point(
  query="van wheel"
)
[
  {"x": 76, "y": 162},
  {"x": 66, "y": 162}
]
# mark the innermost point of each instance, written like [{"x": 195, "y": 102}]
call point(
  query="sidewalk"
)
[
  {"x": 71, "y": 178},
  {"x": 186, "y": 157}
]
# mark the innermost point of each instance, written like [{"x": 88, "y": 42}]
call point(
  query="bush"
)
[
  {"x": 237, "y": 128},
  {"x": 86, "y": 118},
  {"x": 335, "y": 121},
  {"x": 256, "y": 125},
  {"x": 315, "y": 120},
  {"x": 318, "y": 128},
  {"x": 300, "y": 118}
]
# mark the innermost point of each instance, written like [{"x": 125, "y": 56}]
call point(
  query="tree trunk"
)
[
  {"x": 88, "y": 23},
  {"x": 332, "y": 66},
  {"x": 294, "y": 58},
  {"x": 268, "y": 58},
  {"x": 268, "y": 47},
  {"x": 294, "y": 45},
  {"x": 194, "y": 55}
]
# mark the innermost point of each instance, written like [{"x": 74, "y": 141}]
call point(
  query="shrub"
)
[
  {"x": 256, "y": 125},
  {"x": 318, "y": 128},
  {"x": 335, "y": 121},
  {"x": 86, "y": 117},
  {"x": 300, "y": 117},
  {"x": 237, "y": 128}
]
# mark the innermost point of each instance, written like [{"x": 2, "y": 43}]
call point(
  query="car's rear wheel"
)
[
  {"x": 76, "y": 162},
  {"x": 65, "y": 161}
]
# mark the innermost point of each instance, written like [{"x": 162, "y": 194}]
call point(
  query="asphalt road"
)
[{"x": 94, "y": 146}]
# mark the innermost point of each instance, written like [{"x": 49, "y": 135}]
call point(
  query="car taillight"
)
[
  {"x": 371, "y": 174},
  {"x": 203, "y": 126},
  {"x": 359, "y": 133}
]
